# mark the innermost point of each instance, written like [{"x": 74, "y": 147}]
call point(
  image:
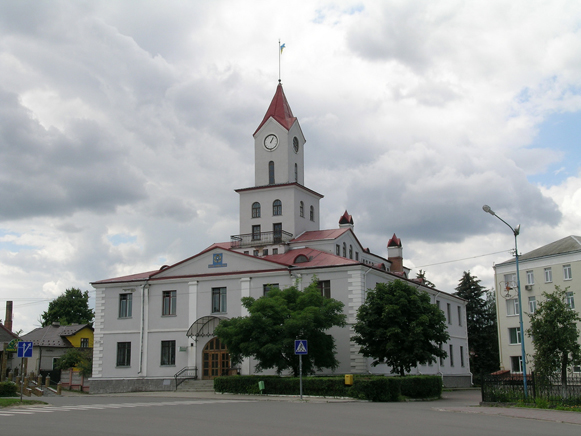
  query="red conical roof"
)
[
  {"x": 394, "y": 241},
  {"x": 280, "y": 110}
]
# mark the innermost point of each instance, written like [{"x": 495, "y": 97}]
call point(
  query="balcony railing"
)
[{"x": 259, "y": 239}]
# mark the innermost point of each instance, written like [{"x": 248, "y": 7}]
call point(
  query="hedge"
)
[
  {"x": 372, "y": 388},
  {"x": 7, "y": 389}
]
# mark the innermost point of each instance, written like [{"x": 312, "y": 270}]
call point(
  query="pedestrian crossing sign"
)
[{"x": 301, "y": 346}]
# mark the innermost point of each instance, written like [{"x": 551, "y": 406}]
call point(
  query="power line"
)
[{"x": 466, "y": 258}]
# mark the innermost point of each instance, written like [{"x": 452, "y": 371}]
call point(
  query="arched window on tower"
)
[
  {"x": 302, "y": 209},
  {"x": 350, "y": 251},
  {"x": 312, "y": 214},
  {"x": 277, "y": 207},
  {"x": 296, "y": 173},
  {"x": 256, "y": 210},
  {"x": 271, "y": 173}
]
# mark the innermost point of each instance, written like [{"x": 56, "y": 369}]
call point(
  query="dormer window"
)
[
  {"x": 277, "y": 208},
  {"x": 256, "y": 210},
  {"x": 271, "y": 173}
]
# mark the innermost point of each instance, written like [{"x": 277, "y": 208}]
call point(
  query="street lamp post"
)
[{"x": 516, "y": 231}]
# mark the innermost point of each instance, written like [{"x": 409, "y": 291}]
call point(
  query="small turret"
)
[
  {"x": 395, "y": 254},
  {"x": 346, "y": 220}
]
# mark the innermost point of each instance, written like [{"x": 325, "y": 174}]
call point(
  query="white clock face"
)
[{"x": 270, "y": 142}]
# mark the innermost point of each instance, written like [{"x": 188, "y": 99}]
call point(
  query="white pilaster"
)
[
  {"x": 356, "y": 291},
  {"x": 99, "y": 326},
  {"x": 192, "y": 317}
]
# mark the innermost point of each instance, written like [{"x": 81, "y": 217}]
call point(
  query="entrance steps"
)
[{"x": 196, "y": 386}]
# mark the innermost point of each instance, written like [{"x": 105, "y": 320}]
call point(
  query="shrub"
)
[
  {"x": 423, "y": 386},
  {"x": 380, "y": 389},
  {"x": 7, "y": 389}
]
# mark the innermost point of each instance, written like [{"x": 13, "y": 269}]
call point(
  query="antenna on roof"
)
[{"x": 280, "y": 49}]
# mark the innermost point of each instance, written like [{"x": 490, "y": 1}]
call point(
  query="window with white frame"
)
[
  {"x": 302, "y": 209},
  {"x": 325, "y": 288},
  {"x": 530, "y": 278},
  {"x": 125, "y": 305},
  {"x": 219, "y": 300},
  {"x": 267, "y": 287},
  {"x": 168, "y": 353},
  {"x": 459, "y": 315},
  {"x": 567, "y": 275},
  {"x": 256, "y": 233},
  {"x": 571, "y": 300},
  {"x": 84, "y": 342},
  {"x": 337, "y": 249},
  {"x": 350, "y": 251},
  {"x": 123, "y": 353},
  {"x": 441, "y": 358},
  {"x": 276, "y": 207},
  {"x": 168, "y": 303},
  {"x": 512, "y": 307},
  {"x": 514, "y": 335},
  {"x": 312, "y": 213},
  {"x": 548, "y": 275},
  {"x": 451, "y": 355},
  {"x": 449, "y": 313},
  {"x": 256, "y": 210},
  {"x": 577, "y": 369},
  {"x": 532, "y": 304},
  {"x": 516, "y": 363},
  {"x": 461, "y": 356},
  {"x": 510, "y": 279}
]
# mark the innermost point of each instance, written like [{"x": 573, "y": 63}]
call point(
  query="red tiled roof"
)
[
  {"x": 129, "y": 278},
  {"x": 316, "y": 235},
  {"x": 280, "y": 110},
  {"x": 346, "y": 219},
  {"x": 316, "y": 258},
  {"x": 394, "y": 241}
]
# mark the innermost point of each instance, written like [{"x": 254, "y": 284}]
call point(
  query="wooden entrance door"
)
[{"x": 216, "y": 360}]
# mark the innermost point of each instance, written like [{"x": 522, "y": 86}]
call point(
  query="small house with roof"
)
[
  {"x": 51, "y": 342},
  {"x": 152, "y": 325}
]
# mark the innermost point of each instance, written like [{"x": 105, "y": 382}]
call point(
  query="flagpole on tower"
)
[{"x": 280, "y": 49}]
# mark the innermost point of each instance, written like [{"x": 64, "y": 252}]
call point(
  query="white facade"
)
[
  {"x": 142, "y": 320},
  {"x": 555, "y": 264}
]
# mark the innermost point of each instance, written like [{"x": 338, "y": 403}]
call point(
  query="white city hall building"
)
[{"x": 151, "y": 325}]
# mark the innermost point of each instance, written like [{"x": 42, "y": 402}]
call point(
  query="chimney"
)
[
  {"x": 395, "y": 254},
  {"x": 8, "y": 319}
]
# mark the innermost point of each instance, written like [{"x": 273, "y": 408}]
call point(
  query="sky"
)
[{"x": 125, "y": 127}]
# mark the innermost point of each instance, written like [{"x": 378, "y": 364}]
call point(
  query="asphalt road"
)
[{"x": 210, "y": 414}]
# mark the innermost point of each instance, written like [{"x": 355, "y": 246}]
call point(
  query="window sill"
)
[
  {"x": 166, "y": 366},
  {"x": 123, "y": 367},
  {"x": 168, "y": 316},
  {"x": 124, "y": 317}
]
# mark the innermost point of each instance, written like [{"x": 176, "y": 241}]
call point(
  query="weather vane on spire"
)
[{"x": 280, "y": 49}]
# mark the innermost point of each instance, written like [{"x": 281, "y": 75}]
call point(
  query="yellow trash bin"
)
[{"x": 349, "y": 379}]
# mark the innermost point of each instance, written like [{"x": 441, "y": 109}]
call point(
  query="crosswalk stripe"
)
[{"x": 84, "y": 407}]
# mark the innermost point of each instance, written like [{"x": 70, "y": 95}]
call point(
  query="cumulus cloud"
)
[{"x": 126, "y": 126}]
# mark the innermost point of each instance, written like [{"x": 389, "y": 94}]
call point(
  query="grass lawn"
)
[{"x": 6, "y": 402}]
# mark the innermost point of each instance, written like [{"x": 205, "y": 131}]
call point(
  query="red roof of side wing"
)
[{"x": 280, "y": 110}]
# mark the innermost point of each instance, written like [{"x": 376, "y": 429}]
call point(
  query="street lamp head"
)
[
  {"x": 517, "y": 230},
  {"x": 486, "y": 208}
]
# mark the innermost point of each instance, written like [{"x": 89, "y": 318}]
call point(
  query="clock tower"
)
[{"x": 278, "y": 207}]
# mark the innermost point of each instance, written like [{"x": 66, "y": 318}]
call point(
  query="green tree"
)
[
  {"x": 77, "y": 358},
  {"x": 422, "y": 276},
  {"x": 481, "y": 325},
  {"x": 398, "y": 325},
  {"x": 276, "y": 320},
  {"x": 71, "y": 307},
  {"x": 555, "y": 335}
]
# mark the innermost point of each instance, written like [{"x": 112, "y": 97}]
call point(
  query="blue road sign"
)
[
  {"x": 24, "y": 349},
  {"x": 301, "y": 346}
]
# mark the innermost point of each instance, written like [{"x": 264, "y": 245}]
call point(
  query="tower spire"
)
[{"x": 280, "y": 49}]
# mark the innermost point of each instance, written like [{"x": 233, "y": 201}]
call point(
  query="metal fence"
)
[{"x": 509, "y": 388}]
